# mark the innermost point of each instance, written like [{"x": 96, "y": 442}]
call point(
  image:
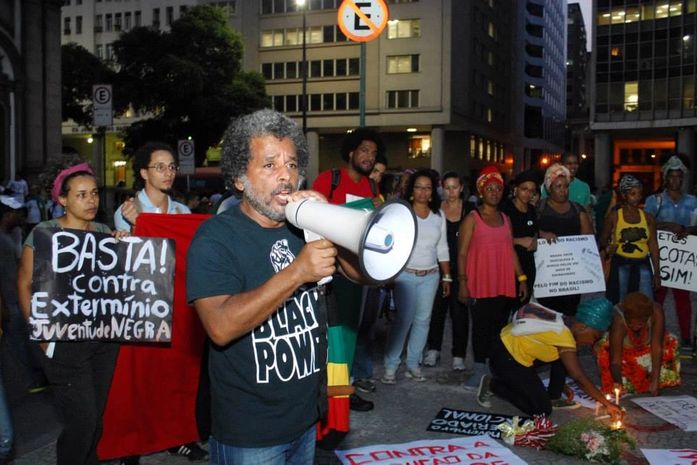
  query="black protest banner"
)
[
  {"x": 91, "y": 286},
  {"x": 450, "y": 420}
]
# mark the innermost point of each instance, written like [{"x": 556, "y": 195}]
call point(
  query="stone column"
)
[
  {"x": 313, "y": 147},
  {"x": 603, "y": 159},
  {"x": 437, "y": 144},
  {"x": 686, "y": 145}
]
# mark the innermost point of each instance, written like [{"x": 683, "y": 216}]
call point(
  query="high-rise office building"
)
[
  {"x": 644, "y": 86},
  {"x": 439, "y": 79},
  {"x": 577, "y": 75}
]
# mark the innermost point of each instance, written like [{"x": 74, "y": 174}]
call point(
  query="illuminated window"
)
[
  {"x": 473, "y": 145},
  {"x": 490, "y": 87},
  {"x": 420, "y": 146},
  {"x": 403, "y": 28},
  {"x": 631, "y": 96},
  {"x": 491, "y": 30},
  {"x": 397, "y": 64},
  {"x": 402, "y": 98},
  {"x": 615, "y": 51}
]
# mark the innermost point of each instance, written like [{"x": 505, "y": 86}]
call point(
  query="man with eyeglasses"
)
[{"x": 154, "y": 170}]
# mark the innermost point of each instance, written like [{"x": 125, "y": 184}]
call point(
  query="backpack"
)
[{"x": 336, "y": 178}]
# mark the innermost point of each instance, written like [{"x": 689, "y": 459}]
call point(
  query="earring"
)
[
  {"x": 411, "y": 197},
  {"x": 515, "y": 191},
  {"x": 430, "y": 198}
]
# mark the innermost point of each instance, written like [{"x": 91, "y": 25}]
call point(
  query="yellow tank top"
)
[{"x": 632, "y": 239}]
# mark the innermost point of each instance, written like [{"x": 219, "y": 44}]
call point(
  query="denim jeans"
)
[
  {"x": 6, "y": 432},
  {"x": 645, "y": 281},
  {"x": 414, "y": 299},
  {"x": 363, "y": 359},
  {"x": 298, "y": 452}
]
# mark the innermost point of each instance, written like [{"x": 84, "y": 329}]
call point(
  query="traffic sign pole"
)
[
  {"x": 361, "y": 22},
  {"x": 361, "y": 95}
]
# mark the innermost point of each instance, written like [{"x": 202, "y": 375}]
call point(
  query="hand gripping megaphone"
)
[{"x": 383, "y": 238}]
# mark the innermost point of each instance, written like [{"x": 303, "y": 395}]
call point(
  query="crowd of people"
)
[{"x": 253, "y": 281}]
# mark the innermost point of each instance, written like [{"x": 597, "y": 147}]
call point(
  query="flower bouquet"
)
[
  {"x": 532, "y": 433},
  {"x": 592, "y": 440}
]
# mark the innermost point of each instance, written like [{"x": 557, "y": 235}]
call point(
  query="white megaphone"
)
[{"x": 383, "y": 238}]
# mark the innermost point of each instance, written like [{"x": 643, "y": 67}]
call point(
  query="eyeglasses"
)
[{"x": 162, "y": 167}]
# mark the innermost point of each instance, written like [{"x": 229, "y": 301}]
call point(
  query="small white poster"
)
[
  {"x": 678, "y": 410},
  {"x": 571, "y": 265},
  {"x": 480, "y": 450},
  {"x": 670, "y": 456},
  {"x": 678, "y": 261},
  {"x": 580, "y": 395}
]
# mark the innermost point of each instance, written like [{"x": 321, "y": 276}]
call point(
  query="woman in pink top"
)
[{"x": 485, "y": 252}]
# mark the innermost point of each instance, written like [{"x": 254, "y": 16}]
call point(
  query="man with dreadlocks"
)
[{"x": 673, "y": 209}]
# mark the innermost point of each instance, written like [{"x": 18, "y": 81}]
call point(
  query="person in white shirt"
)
[{"x": 154, "y": 169}]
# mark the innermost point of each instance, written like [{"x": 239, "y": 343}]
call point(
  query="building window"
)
[
  {"x": 109, "y": 22},
  {"x": 183, "y": 9},
  {"x": 98, "y": 23},
  {"x": 403, "y": 28},
  {"x": 109, "y": 52},
  {"x": 490, "y": 87},
  {"x": 169, "y": 15},
  {"x": 78, "y": 24},
  {"x": 419, "y": 146},
  {"x": 491, "y": 30},
  {"x": 117, "y": 22},
  {"x": 137, "y": 19},
  {"x": 156, "y": 18},
  {"x": 99, "y": 51},
  {"x": 66, "y": 26},
  {"x": 397, "y": 64},
  {"x": 127, "y": 21},
  {"x": 631, "y": 96},
  {"x": 402, "y": 98}
]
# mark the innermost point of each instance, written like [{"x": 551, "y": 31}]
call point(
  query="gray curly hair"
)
[{"x": 236, "y": 141}]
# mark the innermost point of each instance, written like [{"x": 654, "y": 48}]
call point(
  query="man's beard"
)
[
  {"x": 263, "y": 206},
  {"x": 363, "y": 171}
]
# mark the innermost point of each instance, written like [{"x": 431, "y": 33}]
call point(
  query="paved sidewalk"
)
[{"x": 402, "y": 413}]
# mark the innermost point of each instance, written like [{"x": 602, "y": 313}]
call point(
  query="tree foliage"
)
[
  {"x": 80, "y": 71},
  {"x": 188, "y": 82}
]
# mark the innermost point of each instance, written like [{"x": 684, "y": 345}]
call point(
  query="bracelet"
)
[
  {"x": 522, "y": 278},
  {"x": 447, "y": 278}
]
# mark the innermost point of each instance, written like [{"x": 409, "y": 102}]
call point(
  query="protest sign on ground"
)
[
  {"x": 450, "y": 420},
  {"x": 678, "y": 410},
  {"x": 670, "y": 456},
  {"x": 91, "y": 286},
  {"x": 481, "y": 450}
]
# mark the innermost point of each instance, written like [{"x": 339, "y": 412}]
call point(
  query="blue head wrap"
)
[{"x": 596, "y": 313}]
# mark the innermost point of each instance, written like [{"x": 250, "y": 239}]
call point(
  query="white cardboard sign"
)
[
  {"x": 678, "y": 261},
  {"x": 571, "y": 265},
  {"x": 678, "y": 410}
]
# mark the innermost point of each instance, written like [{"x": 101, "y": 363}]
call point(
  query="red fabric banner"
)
[{"x": 152, "y": 401}]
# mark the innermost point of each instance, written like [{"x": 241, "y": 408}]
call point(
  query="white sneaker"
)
[
  {"x": 458, "y": 363},
  {"x": 389, "y": 377},
  {"x": 431, "y": 358},
  {"x": 415, "y": 374}
]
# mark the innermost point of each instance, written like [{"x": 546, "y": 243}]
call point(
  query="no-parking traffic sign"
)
[
  {"x": 185, "y": 152},
  {"x": 362, "y": 20},
  {"x": 101, "y": 102}
]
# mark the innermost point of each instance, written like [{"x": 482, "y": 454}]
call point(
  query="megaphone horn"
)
[{"x": 383, "y": 238}]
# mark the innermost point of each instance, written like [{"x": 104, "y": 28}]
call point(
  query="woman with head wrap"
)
[
  {"x": 524, "y": 221},
  {"x": 629, "y": 237},
  {"x": 638, "y": 355},
  {"x": 673, "y": 211},
  {"x": 79, "y": 373},
  {"x": 513, "y": 363},
  {"x": 557, "y": 217},
  {"x": 491, "y": 268}
]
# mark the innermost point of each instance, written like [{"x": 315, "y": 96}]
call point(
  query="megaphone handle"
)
[{"x": 309, "y": 237}]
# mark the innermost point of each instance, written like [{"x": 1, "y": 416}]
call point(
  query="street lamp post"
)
[{"x": 303, "y": 104}]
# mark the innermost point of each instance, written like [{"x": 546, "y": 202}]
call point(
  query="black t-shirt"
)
[
  {"x": 524, "y": 224},
  {"x": 264, "y": 385}
]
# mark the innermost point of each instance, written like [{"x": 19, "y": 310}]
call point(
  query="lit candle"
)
[
  {"x": 617, "y": 424},
  {"x": 617, "y": 396}
]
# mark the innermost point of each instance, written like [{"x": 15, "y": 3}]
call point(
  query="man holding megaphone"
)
[{"x": 253, "y": 281}]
